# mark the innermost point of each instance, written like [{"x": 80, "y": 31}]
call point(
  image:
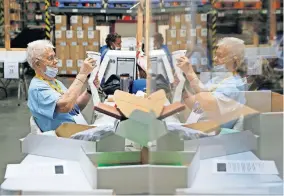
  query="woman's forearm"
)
[
  {"x": 83, "y": 100},
  {"x": 194, "y": 81},
  {"x": 69, "y": 98}
]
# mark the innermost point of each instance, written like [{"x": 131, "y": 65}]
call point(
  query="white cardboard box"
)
[
  {"x": 64, "y": 148},
  {"x": 219, "y": 145},
  {"x": 146, "y": 178}
]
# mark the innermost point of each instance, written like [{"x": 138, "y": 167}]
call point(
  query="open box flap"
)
[
  {"x": 141, "y": 127},
  {"x": 66, "y": 130}
]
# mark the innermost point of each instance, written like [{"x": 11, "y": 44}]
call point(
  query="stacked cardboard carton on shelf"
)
[
  {"x": 181, "y": 32},
  {"x": 72, "y": 42}
]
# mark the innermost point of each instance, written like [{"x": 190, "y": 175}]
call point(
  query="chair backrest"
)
[{"x": 34, "y": 127}]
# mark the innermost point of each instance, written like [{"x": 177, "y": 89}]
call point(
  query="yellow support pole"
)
[
  {"x": 47, "y": 19},
  {"x": 7, "y": 24},
  {"x": 2, "y": 24},
  {"x": 214, "y": 28}
]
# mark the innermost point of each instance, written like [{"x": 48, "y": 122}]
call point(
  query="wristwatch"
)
[{"x": 89, "y": 90}]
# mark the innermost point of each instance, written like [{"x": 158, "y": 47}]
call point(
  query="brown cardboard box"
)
[
  {"x": 191, "y": 33},
  {"x": 76, "y": 23},
  {"x": 175, "y": 22},
  {"x": 181, "y": 36},
  {"x": 60, "y": 36},
  {"x": 79, "y": 64},
  {"x": 62, "y": 50},
  {"x": 93, "y": 47},
  {"x": 61, "y": 66},
  {"x": 171, "y": 37},
  {"x": 185, "y": 21},
  {"x": 173, "y": 48},
  {"x": 75, "y": 52},
  {"x": 201, "y": 33},
  {"x": 71, "y": 37},
  {"x": 71, "y": 67},
  {"x": 93, "y": 36},
  {"x": 82, "y": 36},
  {"x": 183, "y": 46},
  {"x": 88, "y": 23},
  {"x": 61, "y": 22},
  {"x": 201, "y": 20}
]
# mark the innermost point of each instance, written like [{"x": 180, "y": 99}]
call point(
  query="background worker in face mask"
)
[
  {"x": 159, "y": 45},
  {"x": 50, "y": 102},
  {"x": 113, "y": 42},
  {"x": 223, "y": 94}
]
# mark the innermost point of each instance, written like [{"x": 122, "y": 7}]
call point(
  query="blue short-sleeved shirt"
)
[
  {"x": 42, "y": 103},
  {"x": 225, "y": 89}
]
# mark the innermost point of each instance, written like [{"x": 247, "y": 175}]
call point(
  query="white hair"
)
[
  {"x": 235, "y": 45},
  {"x": 36, "y": 49},
  {"x": 236, "y": 48}
]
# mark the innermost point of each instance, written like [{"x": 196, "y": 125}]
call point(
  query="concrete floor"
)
[{"x": 14, "y": 125}]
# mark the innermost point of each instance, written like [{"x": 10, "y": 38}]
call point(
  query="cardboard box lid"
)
[
  {"x": 116, "y": 113},
  {"x": 204, "y": 126},
  {"x": 127, "y": 102},
  {"x": 109, "y": 110}
]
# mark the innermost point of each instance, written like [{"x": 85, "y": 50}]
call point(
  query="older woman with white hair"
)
[
  {"x": 50, "y": 102},
  {"x": 223, "y": 94}
]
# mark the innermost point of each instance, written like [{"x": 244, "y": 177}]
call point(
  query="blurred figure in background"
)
[
  {"x": 159, "y": 45},
  {"x": 113, "y": 42}
]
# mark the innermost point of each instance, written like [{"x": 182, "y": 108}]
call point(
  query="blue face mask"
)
[
  {"x": 220, "y": 68},
  {"x": 51, "y": 71}
]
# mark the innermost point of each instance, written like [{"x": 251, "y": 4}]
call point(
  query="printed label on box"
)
[
  {"x": 193, "y": 32},
  {"x": 80, "y": 34},
  {"x": 188, "y": 42},
  {"x": 63, "y": 72},
  {"x": 74, "y": 72},
  {"x": 74, "y": 19},
  {"x": 96, "y": 43},
  {"x": 204, "y": 32},
  {"x": 187, "y": 18},
  {"x": 69, "y": 63},
  {"x": 204, "y": 61},
  {"x": 74, "y": 44},
  {"x": 177, "y": 18},
  {"x": 69, "y": 34},
  {"x": 58, "y": 19},
  {"x": 58, "y": 34},
  {"x": 173, "y": 33},
  {"x": 86, "y": 19},
  {"x": 63, "y": 28},
  {"x": 178, "y": 42},
  {"x": 91, "y": 34},
  {"x": 79, "y": 29},
  {"x": 169, "y": 43},
  {"x": 59, "y": 64},
  {"x": 80, "y": 63},
  {"x": 199, "y": 41},
  {"x": 204, "y": 17},
  {"x": 182, "y": 33},
  {"x": 85, "y": 43},
  {"x": 63, "y": 44}
]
